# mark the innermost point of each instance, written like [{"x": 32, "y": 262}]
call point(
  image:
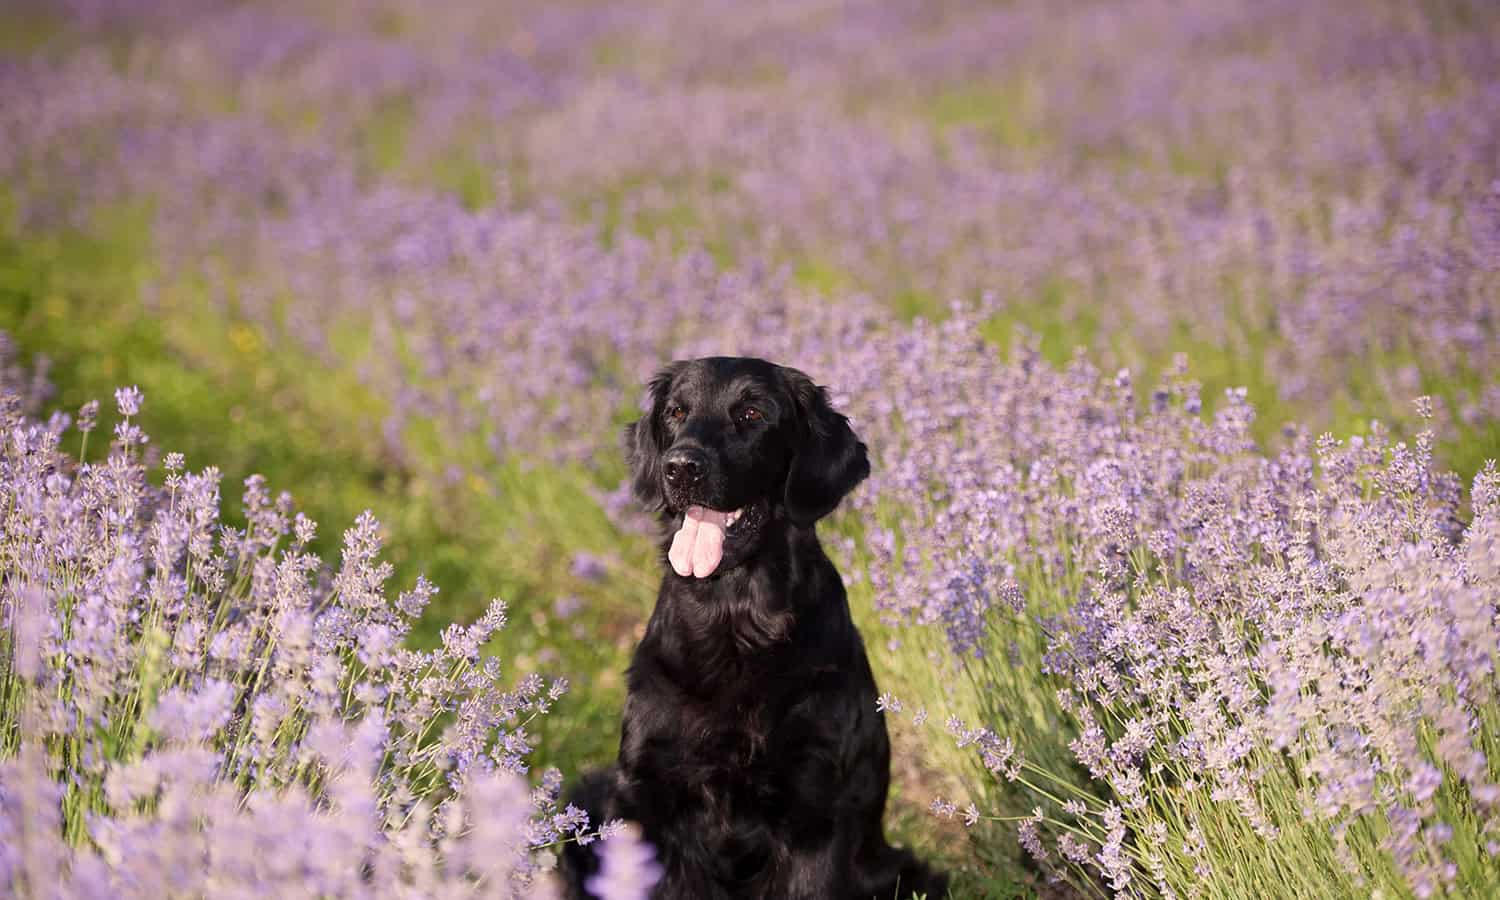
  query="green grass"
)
[
  {"x": 1007, "y": 114},
  {"x": 20, "y": 35}
]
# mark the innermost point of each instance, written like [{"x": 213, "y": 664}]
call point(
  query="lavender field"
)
[{"x": 1173, "y": 329}]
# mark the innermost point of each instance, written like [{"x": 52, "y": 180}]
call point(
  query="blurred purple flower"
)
[{"x": 627, "y": 869}]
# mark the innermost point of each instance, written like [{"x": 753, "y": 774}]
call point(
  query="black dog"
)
[{"x": 751, "y": 751}]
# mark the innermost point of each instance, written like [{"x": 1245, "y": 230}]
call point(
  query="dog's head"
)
[{"x": 731, "y": 445}]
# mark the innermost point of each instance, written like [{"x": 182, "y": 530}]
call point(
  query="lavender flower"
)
[
  {"x": 128, "y": 400},
  {"x": 627, "y": 868},
  {"x": 88, "y": 416}
]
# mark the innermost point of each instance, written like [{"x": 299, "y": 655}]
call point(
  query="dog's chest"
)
[{"x": 728, "y": 734}]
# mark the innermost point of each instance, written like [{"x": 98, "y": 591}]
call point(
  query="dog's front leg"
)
[{"x": 815, "y": 831}]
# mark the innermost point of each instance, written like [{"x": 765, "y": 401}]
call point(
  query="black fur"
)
[{"x": 751, "y": 752}]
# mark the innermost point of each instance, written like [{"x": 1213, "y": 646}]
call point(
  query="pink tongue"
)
[{"x": 698, "y": 545}]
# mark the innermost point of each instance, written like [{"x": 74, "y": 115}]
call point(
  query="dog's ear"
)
[
  {"x": 643, "y": 444},
  {"x": 828, "y": 459}
]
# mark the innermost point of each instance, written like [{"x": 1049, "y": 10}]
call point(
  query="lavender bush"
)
[
  {"x": 1273, "y": 673},
  {"x": 196, "y": 709}
]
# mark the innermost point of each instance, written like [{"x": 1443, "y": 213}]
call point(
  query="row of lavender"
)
[
  {"x": 524, "y": 330},
  {"x": 1325, "y": 174},
  {"x": 198, "y": 710},
  {"x": 1274, "y": 674}
]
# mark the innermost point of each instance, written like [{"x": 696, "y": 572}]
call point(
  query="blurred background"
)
[{"x": 418, "y": 258}]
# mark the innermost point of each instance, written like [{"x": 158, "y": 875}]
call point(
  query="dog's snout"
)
[{"x": 685, "y": 466}]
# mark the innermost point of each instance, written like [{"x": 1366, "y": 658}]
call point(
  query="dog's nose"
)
[{"x": 685, "y": 466}]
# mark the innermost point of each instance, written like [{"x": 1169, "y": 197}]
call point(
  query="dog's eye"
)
[
  {"x": 676, "y": 413},
  {"x": 750, "y": 414}
]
